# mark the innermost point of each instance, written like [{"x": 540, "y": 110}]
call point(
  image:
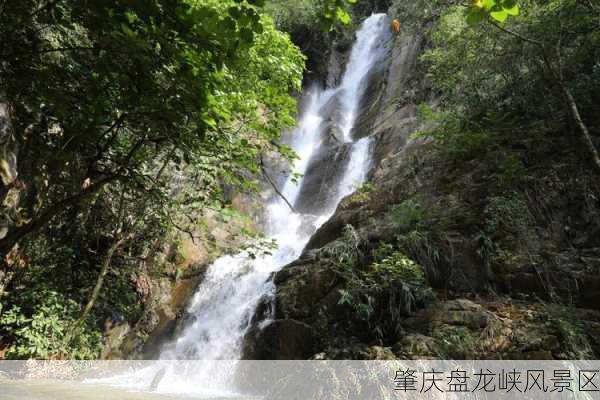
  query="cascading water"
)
[
  {"x": 225, "y": 302},
  {"x": 366, "y": 52}
]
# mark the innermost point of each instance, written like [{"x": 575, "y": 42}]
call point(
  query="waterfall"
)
[
  {"x": 369, "y": 48},
  {"x": 225, "y": 302}
]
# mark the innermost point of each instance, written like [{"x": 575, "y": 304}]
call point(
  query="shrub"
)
[
  {"x": 409, "y": 214},
  {"x": 38, "y": 328},
  {"x": 571, "y": 331},
  {"x": 346, "y": 253},
  {"x": 391, "y": 287},
  {"x": 509, "y": 214},
  {"x": 455, "y": 342},
  {"x": 363, "y": 193}
]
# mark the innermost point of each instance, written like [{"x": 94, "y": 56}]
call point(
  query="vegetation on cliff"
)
[
  {"x": 129, "y": 122},
  {"x": 495, "y": 196}
]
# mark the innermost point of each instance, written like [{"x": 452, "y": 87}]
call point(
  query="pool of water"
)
[{"x": 65, "y": 390}]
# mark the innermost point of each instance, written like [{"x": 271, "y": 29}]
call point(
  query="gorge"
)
[
  {"x": 335, "y": 161},
  {"x": 441, "y": 205}
]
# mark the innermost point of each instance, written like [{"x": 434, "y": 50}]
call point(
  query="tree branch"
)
[
  {"x": 20, "y": 232},
  {"x": 268, "y": 178}
]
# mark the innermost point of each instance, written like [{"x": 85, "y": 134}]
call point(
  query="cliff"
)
[{"x": 444, "y": 256}]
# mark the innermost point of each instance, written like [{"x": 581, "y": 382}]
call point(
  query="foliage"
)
[
  {"x": 39, "y": 325},
  {"x": 132, "y": 118},
  {"x": 409, "y": 214},
  {"x": 452, "y": 136},
  {"x": 491, "y": 80},
  {"x": 391, "y": 287},
  {"x": 290, "y": 14},
  {"x": 200, "y": 83},
  {"x": 346, "y": 252},
  {"x": 336, "y": 11},
  {"x": 509, "y": 215},
  {"x": 498, "y": 10},
  {"x": 572, "y": 332},
  {"x": 455, "y": 342},
  {"x": 363, "y": 193}
]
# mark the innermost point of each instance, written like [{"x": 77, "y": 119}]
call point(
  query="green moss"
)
[{"x": 363, "y": 193}]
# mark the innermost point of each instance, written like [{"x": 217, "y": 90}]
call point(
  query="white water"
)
[
  {"x": 366, "y": 52},
  {"x": 226, "y": 300}
]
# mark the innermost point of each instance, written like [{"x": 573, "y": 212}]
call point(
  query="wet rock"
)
[
  {"x": 301, "y": 288},
  {"x": 265, "y": 311},
  {"x": 285, "y": 339},
  {"x": 331, "y": 129},
  {"x": 336, "y": 66},
  {"x": 332, "y": 229},
  {"x": 164, "y": 322},
  {"x": 589, "y": 294},
  {"x": 318, "y": 190},
  {"x": 370, "y": 104}
]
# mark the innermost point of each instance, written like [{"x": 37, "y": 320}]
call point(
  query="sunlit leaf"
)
[{"x": 499, "y": 16}]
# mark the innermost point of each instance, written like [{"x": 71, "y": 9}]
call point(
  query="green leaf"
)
[
  {"x": 489, "y": 4},
  {"x": 235, "y": 12},
  {"x": 342, "y": 16},
  {"x": 499, "y": 16},
  {"x": 247, "y": 35},
  {"x": 127, "y": 30},
  {"x": 509, "y": 3}
]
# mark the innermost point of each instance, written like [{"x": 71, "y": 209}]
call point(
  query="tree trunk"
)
[
  {"x": 556, "y": 75},
  {"x": 95, "y": 292},
  {"x": 585, "y": 133}
]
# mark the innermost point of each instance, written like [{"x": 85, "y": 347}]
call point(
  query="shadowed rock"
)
[
  {"x": 325, "y": 169},
  {"x": 285, "y": 339}
]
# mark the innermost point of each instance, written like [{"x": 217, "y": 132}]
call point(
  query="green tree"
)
[
  {"x": 129, "y": 116},
  {"x": 104, "y": 92},
  {"x": 541, "y": 67}
]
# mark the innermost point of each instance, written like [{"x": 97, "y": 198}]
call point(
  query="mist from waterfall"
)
[{"x": 222, "y": 309}]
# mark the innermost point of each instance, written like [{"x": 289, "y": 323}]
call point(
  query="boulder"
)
[
  {"x": 462, "y": 312},
  {"x": 301, "y": 288},
  {"x": 285, "y": 339}
]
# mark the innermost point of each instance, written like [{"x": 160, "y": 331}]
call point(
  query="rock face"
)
[
  {"x": 169, "y": 283},
  {"x": 8, "y": 146},
  {"x": 325, "y": 168},
  {"x": 490, "y": 300},
  {"x": 308, "y": 288},
  {"x": 280, "y": 340}
]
